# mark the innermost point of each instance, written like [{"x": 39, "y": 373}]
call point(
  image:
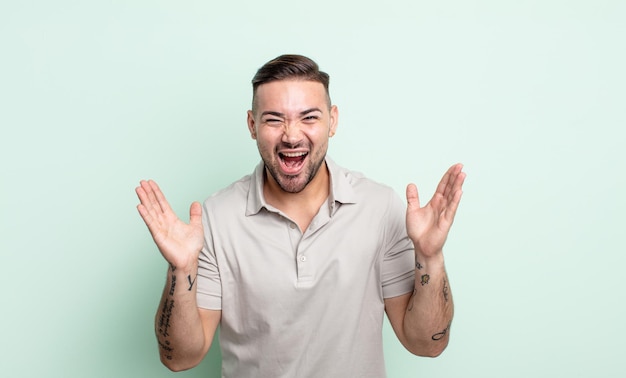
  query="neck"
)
[{"x": 304, "y": 205}]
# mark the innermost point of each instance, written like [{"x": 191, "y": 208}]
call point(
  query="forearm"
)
[
  {"x": 178, "y": 326},
  {"x": 430, "y": 310}
]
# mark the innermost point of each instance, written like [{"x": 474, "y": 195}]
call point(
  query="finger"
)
[
  {"x": 195, "y": 214},
  {"x": 142, "y": 192},
  {"x": 457, "y": 185},
  {"x": 442, "y": 187},
  {"x": 149, "y": 209},
  {"x": 453, "y": 206},
  {"x": 159, "y": 198},
  {"x": 447, "y": 184},
  {"x": 412, "y": 196},
  {"x": 148, "y": 197},
  {"x": 145, "y": 215}
]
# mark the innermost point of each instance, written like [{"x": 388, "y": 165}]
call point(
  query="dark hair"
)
[{"x": 287, "y": 67}]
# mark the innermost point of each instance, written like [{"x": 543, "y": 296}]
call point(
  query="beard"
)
[{"x": 295, "y": 183}]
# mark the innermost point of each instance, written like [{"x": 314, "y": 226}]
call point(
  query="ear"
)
[
  {"x": 334, "y": 120},
  {"x": 251, "y": 124}
]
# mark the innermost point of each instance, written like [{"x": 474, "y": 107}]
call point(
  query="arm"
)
[
  {"x": 422, "y": 320},
  {"x": 184, "y": 332}
]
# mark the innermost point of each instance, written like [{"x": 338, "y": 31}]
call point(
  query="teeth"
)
[{"x": 293, "y": 154}]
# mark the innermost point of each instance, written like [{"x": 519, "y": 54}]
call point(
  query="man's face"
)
[{"x": 292, "y": 123}]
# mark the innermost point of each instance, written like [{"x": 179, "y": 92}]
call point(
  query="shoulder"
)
[
  {"x": 232, "y": 195},
  {"x": 364, "y": 187}
]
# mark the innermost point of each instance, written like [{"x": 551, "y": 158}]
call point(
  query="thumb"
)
[
  {"x": 195, "y": 213},
  {"x": 412, "y": 197}
]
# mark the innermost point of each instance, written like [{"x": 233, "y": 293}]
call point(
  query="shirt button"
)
[
  {"x": 303, "y": 258},
  {"x": 292, "y": 225}
]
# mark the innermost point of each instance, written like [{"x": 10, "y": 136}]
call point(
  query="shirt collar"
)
[{"x": 340, "y": 188}]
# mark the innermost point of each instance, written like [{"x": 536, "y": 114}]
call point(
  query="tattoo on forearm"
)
[
  {"x": 425, "y": 279},
  {"x": 163, "y": 327},
  {"x": 164, "y": 319},
  {"x": 191, "y": 282},
  {"x": 418, "y": 265},
  {"x": 167, "y": 349},
  {"x": 173, "y": 286},
  {"x": 412, "y": 301},
  {"x": 172, "y": 267},
  {"x": 442, "y": 334},
  {"x": 445, "y": 289}
]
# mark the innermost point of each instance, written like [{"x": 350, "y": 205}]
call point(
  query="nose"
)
[{"x": 292, "y": 133}]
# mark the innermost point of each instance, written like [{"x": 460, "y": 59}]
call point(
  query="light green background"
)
[{"x": 530, "y": 95}]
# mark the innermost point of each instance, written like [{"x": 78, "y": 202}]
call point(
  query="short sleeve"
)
[
  {"x": 398, "y": 270},
  {"x": 209, "y": 294}
]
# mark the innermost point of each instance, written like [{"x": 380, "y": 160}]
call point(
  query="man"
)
[{"x": 298, "y": 261}]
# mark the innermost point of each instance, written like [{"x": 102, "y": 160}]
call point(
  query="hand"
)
[
  {"x": 428, "y": 226},
  {"x": 179, "y": 243}
]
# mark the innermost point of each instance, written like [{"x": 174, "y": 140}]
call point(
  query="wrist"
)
[
  {"x": 184, "y": 269},
  {"x": 182, "y": 280},
  {"x": 183, "y": 264},
  {"x": 429, "y": 261}
]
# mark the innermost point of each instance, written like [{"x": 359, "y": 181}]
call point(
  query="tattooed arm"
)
[
  {"x": 422, "y": 320},
  {"x": 184, "y": 332}
]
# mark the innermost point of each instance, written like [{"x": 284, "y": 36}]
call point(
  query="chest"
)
[{"x": 283, "y": 265}]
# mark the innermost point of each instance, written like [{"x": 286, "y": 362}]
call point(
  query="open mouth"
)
[{"x": 292, "y": 161}]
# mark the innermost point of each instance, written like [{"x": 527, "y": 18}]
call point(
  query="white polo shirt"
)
[{"x": 304, "y": 304}]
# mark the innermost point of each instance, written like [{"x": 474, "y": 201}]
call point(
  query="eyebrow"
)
[
  {"x": 275, "y": 114},
  {"x": 279, "y": 114},
  {"x": 305, "y": 112}
]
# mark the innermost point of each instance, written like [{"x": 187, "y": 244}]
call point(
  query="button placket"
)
[{"x": 303, "y": 264}]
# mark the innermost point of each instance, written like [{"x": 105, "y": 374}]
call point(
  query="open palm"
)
[
  {"x": 428, "y": 226},
  {"x": 179, "y": 242}
]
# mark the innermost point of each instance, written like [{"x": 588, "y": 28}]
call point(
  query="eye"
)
[
  {"x": 311, "y": 118},
  {"x": 272, "y": 121}
]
